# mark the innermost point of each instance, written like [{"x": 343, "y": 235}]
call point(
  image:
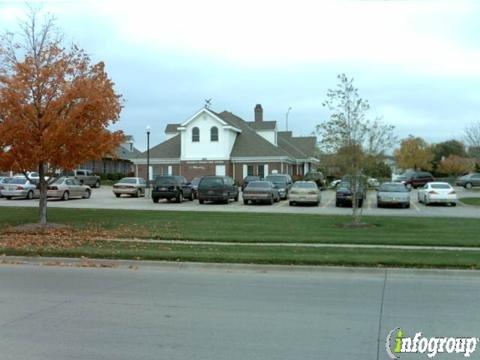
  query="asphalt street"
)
[
  {"x": 103, "y": 198},
  {"x": 206, "y": 312}
]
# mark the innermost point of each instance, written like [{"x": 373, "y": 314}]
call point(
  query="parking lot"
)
[{"x": 103, "y": 198}]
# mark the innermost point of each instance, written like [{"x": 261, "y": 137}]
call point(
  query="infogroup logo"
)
[{"x": 398, "y": 343}]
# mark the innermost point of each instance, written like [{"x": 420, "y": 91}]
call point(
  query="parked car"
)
[
  {"x": 318, "y": 178},
  {"x": 469, "y": 181},
  {"x": 20, "y": 187},
  {"x": 437, "y": 192},
  {"x": 284, "y": 183},
  {"x": 344, "y": 193},
  {"x": 248, "y": 179},
  {"x": 195, "y": 181},
  {"x": 3, "y": 180},
  {"x": 85, "y": 177},
  {"x": 171, "y": 187},
  {"x": 415, "y": 179},
  {"x": 217, "y": 188},
  {"x": 133, "y": 186},
  {"x": 304, "y": 192},
  {"x": 260, "y": 191},
  {"x": 392, "y": 193},
  {"x": 334, "y": 183},
  {"x": 65, "y": 188}
]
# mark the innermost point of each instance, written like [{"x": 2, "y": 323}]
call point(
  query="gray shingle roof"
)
[
  {"x": 169, "y": 149},
  {"x": 124, "y": 154},
  {"x": 171, "y": 128},
  {"x": 298, "y": 147},
  {"x": 248, "y": 143},
  {"x": 264, "y": 125}
]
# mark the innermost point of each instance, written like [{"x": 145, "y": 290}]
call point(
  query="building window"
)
[
  {"x": 214, "y": 134},
  {"x": 261, "y": 171},
  {"x": 195, "y": 134},
  {"x": 250, "y": 170}
]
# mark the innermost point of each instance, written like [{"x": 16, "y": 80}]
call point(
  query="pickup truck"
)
[{"x": 85, "y": 177}]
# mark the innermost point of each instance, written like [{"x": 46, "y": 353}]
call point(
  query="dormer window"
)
[
  {"x": 195, "y": 134},
  {"x": 214, "y": 134}
]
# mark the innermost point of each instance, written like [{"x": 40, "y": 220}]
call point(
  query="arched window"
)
[
  {"x": 195, "y": 134},
  {"x": 214, "y": 134}
]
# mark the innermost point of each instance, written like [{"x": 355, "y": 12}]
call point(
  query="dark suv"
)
[
  {"x": 171, "y": 187},
  {"x": 344, "y": 193},
  {"x": 414, "y": 179},
  {"x": 217, "y": 188}
]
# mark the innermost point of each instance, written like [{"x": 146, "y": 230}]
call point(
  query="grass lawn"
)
[
  {"x": 265, "y": 255},
  {"x": 249, "y": 227},
  {"x": 471, "y": 201}
]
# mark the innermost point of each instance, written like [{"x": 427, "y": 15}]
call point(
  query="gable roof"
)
[
  {"x": 171, "y": 128},
  {"x": 124, "y": 154},
  {"x": 262, "y": 125},
  {"x": 169, "y": 149},
  {"x": 248, "y": 143}
]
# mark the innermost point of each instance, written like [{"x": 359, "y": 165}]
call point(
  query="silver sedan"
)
[
  {"x": 132, "y": 186},
  {"x": 66, "y": 188},
  {"x": 393, "y": 194},
  {"x": 19, "y": 187},
  {"x": 304, "y": 192}
]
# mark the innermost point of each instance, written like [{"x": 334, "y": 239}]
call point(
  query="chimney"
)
[{"x": 258, "y": 113}]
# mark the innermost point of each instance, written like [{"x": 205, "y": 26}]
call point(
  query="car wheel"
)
[
  {"x": 270, "y": 201},
  {"x": 379, "y": 205},
  {"x": 117, "y": 195},
  {"x": 155, "y": 200},
  {"x": 65, "y": 196},
  {"x": 30, "y": 195},
  {"x": 236, "y": 198},
  {"x": 192, "y": 196},
  {"x": 317, "y": 203},
  {"x": 97, "y": 184},
  {"x": 468, "y": 186},
  {"x": 138, "y": 193},
  {"x": 200, "y": 201},
  {"x": 337, "y": 203},
  {"x": 179, "y": 197},
  {"x": 419, "y": 199},
  {"x": 8, "y": 197},
  {"x": 88, "y": 194},
  {"x": 245, "y": 202},
  {"x": 291, "y": 203},
  {"x": 453, "y": 204}
]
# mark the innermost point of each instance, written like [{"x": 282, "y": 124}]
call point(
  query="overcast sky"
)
[{"x": 417, "y": 62}]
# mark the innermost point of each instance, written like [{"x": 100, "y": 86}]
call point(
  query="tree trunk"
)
[{"x": 43, "y": 195}]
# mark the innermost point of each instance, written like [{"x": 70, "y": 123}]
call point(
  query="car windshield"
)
[
  {"x": 128, "y": 181},
  {"x": 344, "y": 184},
  {"x": 252, "y": 178},
  {"x": 212, "y": 182},
  {"x": 259, "y": 184},
  {"x": 393, "y": 188},
  {"x": 304, "y": 186},
  {"x": 59, "y": 180},
  {"x": 165, "y": 180},
  {"x": 440, "y": 186},
  {"x": 18, "y": 181},
  {"x": 5, "y": 180},
  {"x": 195, "y": 181},
  {"x": 71, "y": 173},
  {"x": 277, "y": 180}
]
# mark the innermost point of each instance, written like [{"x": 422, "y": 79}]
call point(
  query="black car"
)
[
  {"x": 217, "y": 188},
  {"x": 249, "y": 179},
  {"x": 283, "y": 182},
  {"x": 171, "y": 187},
  {"x": 344, "y": 194}
]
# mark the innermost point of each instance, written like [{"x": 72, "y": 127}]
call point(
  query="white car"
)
[
  {"x": 437, "y": 192},
  {"x": 304, "y": 192}
]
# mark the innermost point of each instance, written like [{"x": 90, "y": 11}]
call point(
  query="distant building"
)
[
  {"x": 119, "y": 163},
  {"x": 211, "y": 143}
]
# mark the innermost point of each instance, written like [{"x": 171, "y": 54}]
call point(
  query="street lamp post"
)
[
  {"x": 148, "y": 157},
  {"x": 286, "y": 117}
]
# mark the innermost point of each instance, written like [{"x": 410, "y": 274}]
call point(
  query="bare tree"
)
[
  {"x": 472, "y": 139},
  {"x": 352, "y": 136}
]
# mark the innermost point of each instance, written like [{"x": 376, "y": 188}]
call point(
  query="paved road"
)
[
  {"x": 104, "y": 199},
  {"x": 207, "y": 313}
]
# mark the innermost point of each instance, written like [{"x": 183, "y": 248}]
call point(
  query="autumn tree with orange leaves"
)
[{"x": 55, "y": 105}]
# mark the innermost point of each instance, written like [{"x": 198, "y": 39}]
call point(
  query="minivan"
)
[{"x": 217, "y": 188}]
